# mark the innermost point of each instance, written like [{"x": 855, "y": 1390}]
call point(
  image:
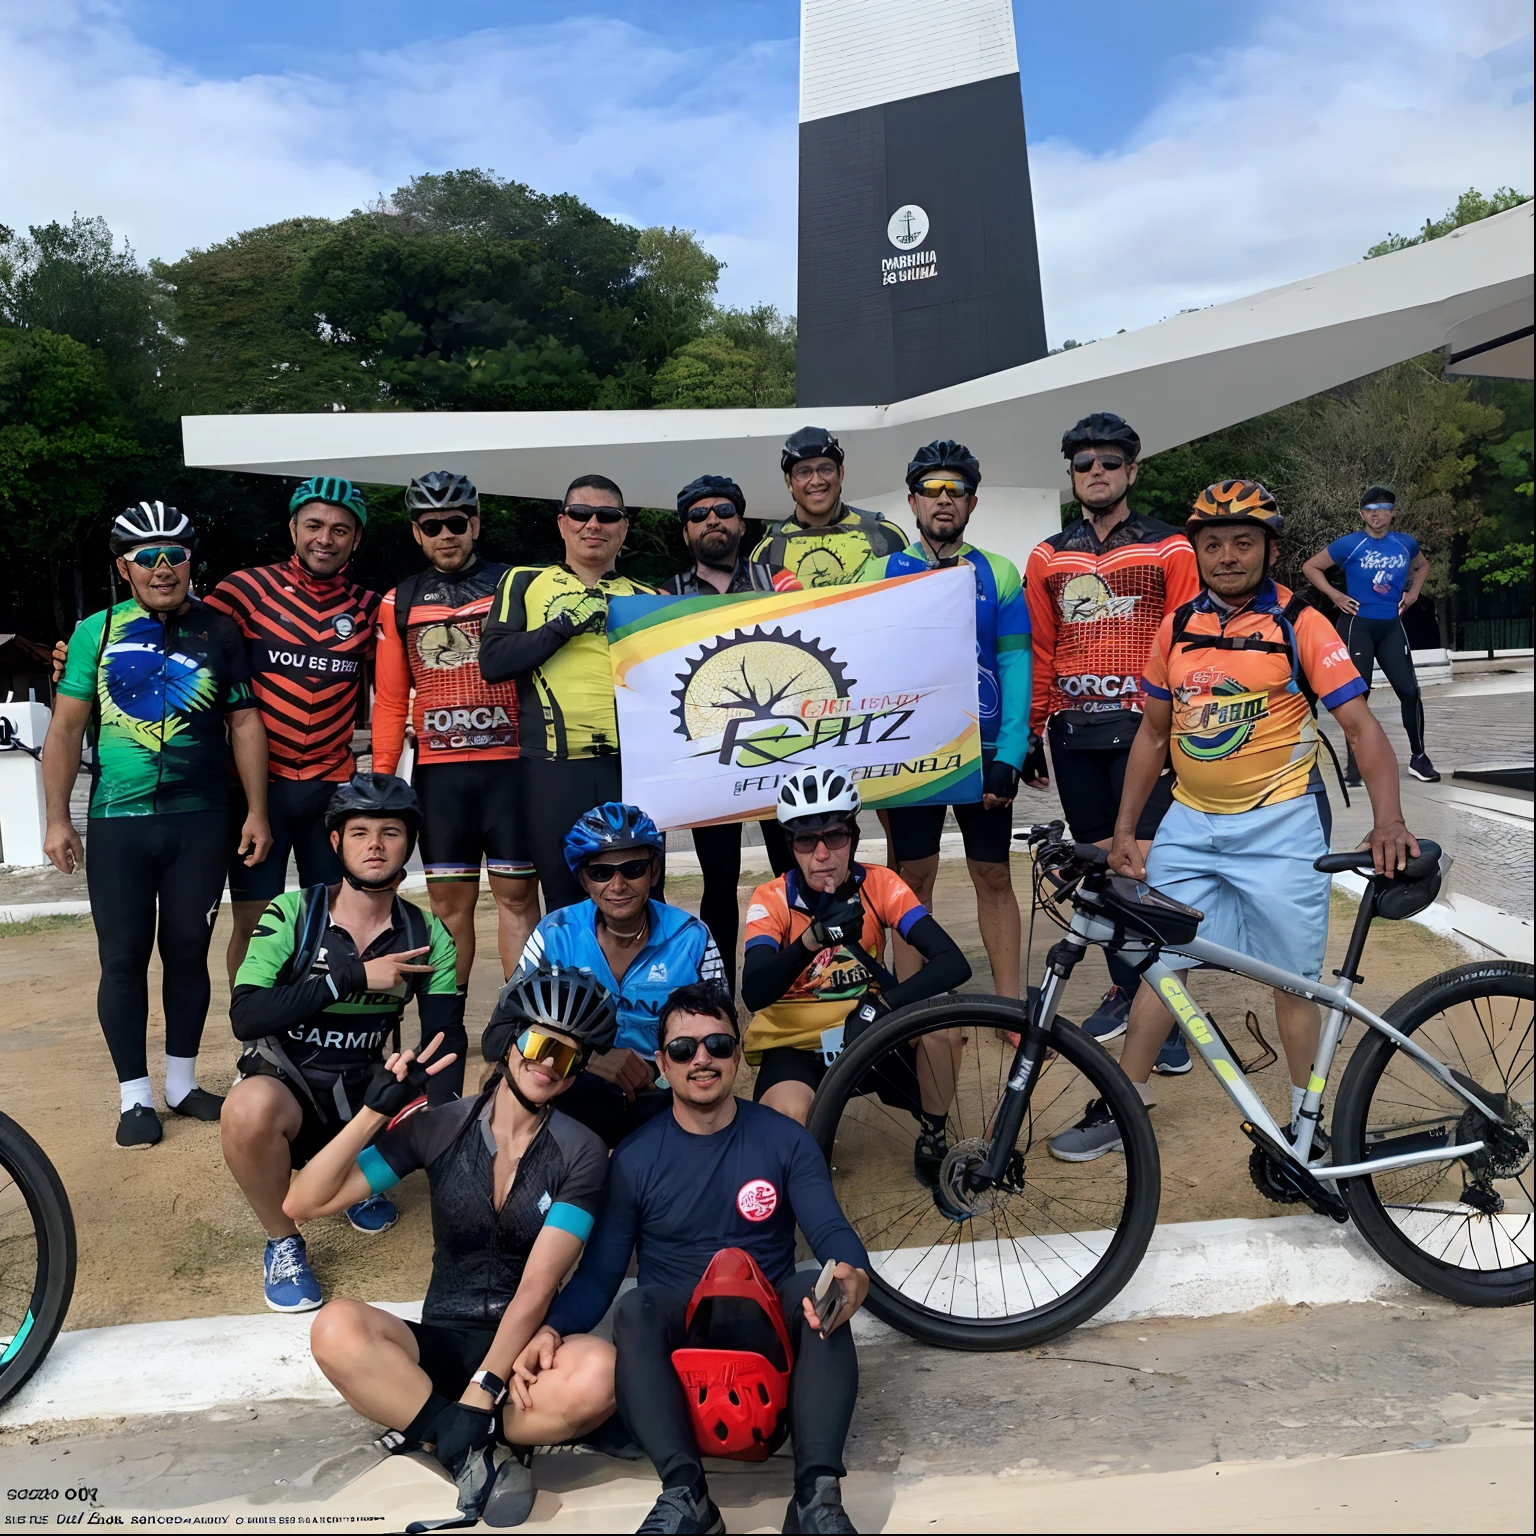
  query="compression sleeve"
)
[
  {"x": 817, "y": 1213},
  {"x": 507, "y": 646},
  {"x": 261, "y": 1006},
  {"x": 1042, "y": 624},
  {"x": 946, "y": 968},
  {"x": 79, "y": 679},
  {"x": 767, "y": 972},
  {"x": 391, "y": 691},
  {"x": 581, "y": 1305}
]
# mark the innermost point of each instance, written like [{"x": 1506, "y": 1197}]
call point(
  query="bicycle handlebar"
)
[{"x": 1052, "y": 834}]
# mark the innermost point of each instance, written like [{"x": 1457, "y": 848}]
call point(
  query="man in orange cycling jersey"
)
[{"x": 467, "y": 775}]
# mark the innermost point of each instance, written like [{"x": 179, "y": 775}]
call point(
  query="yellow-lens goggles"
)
[{"x": 559, "y": 1055}]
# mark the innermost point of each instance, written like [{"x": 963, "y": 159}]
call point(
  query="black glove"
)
[
  {"x": 869, "y": 1010},
  {"x": 562, "y": 623},
  {"x": 1002, "y": 780},
  {"x": 838, "y": 922},
  {"x": 386, "y": 1093},
  {"x": 1035, "y": 766},
  {"x": 460, "y": 1431}
]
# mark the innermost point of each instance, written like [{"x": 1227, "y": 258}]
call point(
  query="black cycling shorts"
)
[
  {"x": 916, "y": 830},
  {"x": 472, "y": 812},
  {"x": 892, "y": 1081},
  {"x": 1090, "y": 783},
  {"x": 296, "y": 814},
  {"x": 556, "y": 791},
  {"x": 320, "y": 1116},
  {"x": 451, "y": 1352}
]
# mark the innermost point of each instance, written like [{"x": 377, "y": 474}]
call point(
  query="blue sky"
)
[{"x": 1183, "y": 153}]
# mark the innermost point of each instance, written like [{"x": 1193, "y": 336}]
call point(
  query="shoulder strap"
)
[
  {"x": 314, "y": 914},
  {"x": 405, "y": 600},
  {"x": 101, "y": 651}
]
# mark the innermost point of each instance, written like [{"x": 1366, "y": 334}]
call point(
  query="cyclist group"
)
[{"x": 1170, "y": 677}]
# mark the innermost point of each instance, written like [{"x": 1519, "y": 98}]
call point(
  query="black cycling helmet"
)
[
  {"x": 567, "y": 1002},
  {"x": 149, "y": 523},
  {"x": 374, "y": 794},
  {"x": 1103, "y": 429},
  {"x": 1378, "y": 495},
  {"x": 810, "y": 443},
  {"x": 947, "y": 454},
  {"x": 441, "y": 491},
  {"x": 711, "y": 485}
]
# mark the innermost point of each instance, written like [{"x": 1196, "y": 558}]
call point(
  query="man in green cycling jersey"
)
[
  {"x": 322, "y": 989},
  {"x": 163, "y": 677}
]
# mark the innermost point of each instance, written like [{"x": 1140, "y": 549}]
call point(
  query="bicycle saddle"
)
[{"x": 1397, "y": 896}]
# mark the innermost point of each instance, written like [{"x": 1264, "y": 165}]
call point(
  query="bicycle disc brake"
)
[
  {"x": 1506, "y": 1152},
  {"x": 953, "y": 1194}
]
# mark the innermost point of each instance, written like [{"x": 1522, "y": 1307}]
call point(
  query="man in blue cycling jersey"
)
[
  {"x": 941, "y": 484},
  {"x": 639, "y": 949},
  {"x": 1383, "y": 573}
]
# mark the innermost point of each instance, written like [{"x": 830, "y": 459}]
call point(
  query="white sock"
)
[
  {"x": 1297, "y": 1095},
  {"x": 136, "y": 1092},
  {"x": 180, "y": 1078}
]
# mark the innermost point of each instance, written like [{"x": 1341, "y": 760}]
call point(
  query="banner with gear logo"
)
[{"x": 720, "y": 697}]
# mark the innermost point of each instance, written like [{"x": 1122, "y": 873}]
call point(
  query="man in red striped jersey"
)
[
  {"x": 1097, "y": 592},
  {"x": 468, "y": 768},
  {"x": 309, "y": 634}
]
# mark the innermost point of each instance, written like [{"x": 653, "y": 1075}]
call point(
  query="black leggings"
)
[
  {"x": 1384, "y": 643},
  {"x": 142, "y": 871},
  {"x": 556, "y": 792},
  {"x": 719, "y": 851},
  {"x": 824, "y": 1385}
]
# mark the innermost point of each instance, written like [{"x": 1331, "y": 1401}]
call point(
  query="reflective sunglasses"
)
[
  {"x": 1379, "y": 506},
  {"x": 432, "y": 526},
  {"x": 698, "y": 514},
  {"x": 835, "y": 840},
  {"x": 933, "y": 489},
  {"x": 1083, "y": 462},
  {"x": 683, "y": 1048},
  {"x": 579, "y": 512},
  {"x": 148, "y": 556},
  {"x": 631, "y": 869},
  {"x": 561, "y": 1055}
]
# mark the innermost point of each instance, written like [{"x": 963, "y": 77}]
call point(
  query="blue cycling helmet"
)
[
  {"x": 334, "y": 491},
  {"x": 607, "y": 829},
  {"x": 711, "y": 485}
]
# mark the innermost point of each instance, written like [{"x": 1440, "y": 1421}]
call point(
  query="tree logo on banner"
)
[{"x": 740, "y": 686}]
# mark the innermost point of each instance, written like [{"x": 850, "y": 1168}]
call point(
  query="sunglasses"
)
[
  {"x": 148, "y": 556},
  {"x": 933, "y": 489},
  {"x": 561, "y": 1055},
  {"x": 1083, "y": 462},
  {"x": 578, "y": 512},
  {"x": 631, "y": 869},
  {"x": 1379, "y": 506},
  {"x": 683, "y": 1048},
  {"x": 834, "y": 840},
  {"x": 725, "y": 513},
  {"x": 432, "y": 526}
]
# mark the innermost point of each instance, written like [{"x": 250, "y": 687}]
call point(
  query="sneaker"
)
[
  {"x": 1321, "y": 1144},
  {"x": 1107, "y": 1021},
  {"x": 825, "y": 1512},
  {"x": 928, "y": 1154},
  {"x": 676, "y": 1514},
  {"x": 1094, "y": 1135},
  {"x": 1352, "y": 779},
  {"x": 138, "y": 1127},
  {"x": 374, "y": 1215},
  {"x": 290, "y": 1282},
  {"x": 199, "y": 1105},
  {"x": 1173, "y": 1059},
  {"x": 1420, "y": 767},
  {"x": 512, "y": 1494}
]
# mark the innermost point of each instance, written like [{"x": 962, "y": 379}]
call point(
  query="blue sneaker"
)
[
  {"x": 1173, "y": 1059},
  {"x": 290, "y": 1282},
  {"x": 374, "y": 1215},
  {"x": 1107, "y": 1021}
]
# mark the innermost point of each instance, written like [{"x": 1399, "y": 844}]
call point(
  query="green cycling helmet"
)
[{"x": 333, "y": 490}]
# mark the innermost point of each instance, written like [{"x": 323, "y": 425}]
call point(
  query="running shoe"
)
[
  {"x": 374, "y": 1215},
  {"x": 1107, "y": 1021},
  {"x": 1094, "y": 1135},
  {"x": 825, "y": 1512},
  {"x": 1420, "y": 767},
  {"x": 1173, "y": 1059},
  {"x": 676, "y": 1514},
  {"x": 512, "y": 1494},
  {"x": 928, "y": 1154},
  {"x": 290, "y": 1282},
  {"x": 199, "y": 1105},
  {"x": 138, "y": 1127}
]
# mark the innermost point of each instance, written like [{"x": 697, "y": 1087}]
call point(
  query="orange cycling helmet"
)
[{"x": 1235, "y": 501}]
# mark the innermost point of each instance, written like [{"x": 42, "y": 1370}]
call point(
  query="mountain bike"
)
[
  {"x": 1432, "y": 1125},
  {"x": 37, "y": 1256}
]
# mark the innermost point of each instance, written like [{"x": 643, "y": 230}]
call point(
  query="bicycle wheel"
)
[
  {"x": 37, "y": 1256},
  {"x": 1045, "y": 1250},
  {"x": 1463, "y": 1229}
]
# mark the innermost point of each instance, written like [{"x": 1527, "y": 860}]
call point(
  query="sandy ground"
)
[{"x": 164, "y": 1233}]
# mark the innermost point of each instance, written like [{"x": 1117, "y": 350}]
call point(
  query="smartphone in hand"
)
[{"x": 829, "y": 1298}]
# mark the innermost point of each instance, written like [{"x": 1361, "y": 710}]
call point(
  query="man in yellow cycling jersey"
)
[{"x": 547, "y": 629}]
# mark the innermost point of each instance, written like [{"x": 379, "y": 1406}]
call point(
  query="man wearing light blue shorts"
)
[{"x": 1230, "y": 683}]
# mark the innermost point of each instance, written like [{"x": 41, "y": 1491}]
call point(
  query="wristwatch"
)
[{"x": 490, "y": 1384}]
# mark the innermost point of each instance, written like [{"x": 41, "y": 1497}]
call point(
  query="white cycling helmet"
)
[
  {"x": 820, "y": 794},
  {"x": 146, "y": 523}
]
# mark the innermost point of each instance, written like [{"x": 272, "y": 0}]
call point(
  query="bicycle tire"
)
[
  {"x": 1372, "y": 1207},
  {"x": 51, "y": 1285},
  {"x": 1092, "y": 1291}
]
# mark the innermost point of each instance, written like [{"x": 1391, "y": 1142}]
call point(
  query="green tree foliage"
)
[
  {"x": 743, "y": 358},
  {"x": 1471, "y": 206}
]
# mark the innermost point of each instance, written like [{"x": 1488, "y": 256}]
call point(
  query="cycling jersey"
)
[
  {"x": 834, "y": 555},
  {"x": 678, "y": 950},
  {"x": 162, "y": 686},
  {"x": 1094, "y": 609},
  {"x": 1375, "y": 570},
  {"x": 675, "y": 1199},
  {"x": 1002, "y": 641},
  {"x": 480, "y": 1252},
  {"x": 307, "y": 641},
  {"x": 564, "y": 685},
  {"x": 747, "y": 576},
  {"x": 1244, "y": 734},
  {"x": 429, "y": 633}
]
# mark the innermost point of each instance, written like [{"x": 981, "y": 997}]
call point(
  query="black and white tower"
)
[{"x": 918, "y": 266}]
